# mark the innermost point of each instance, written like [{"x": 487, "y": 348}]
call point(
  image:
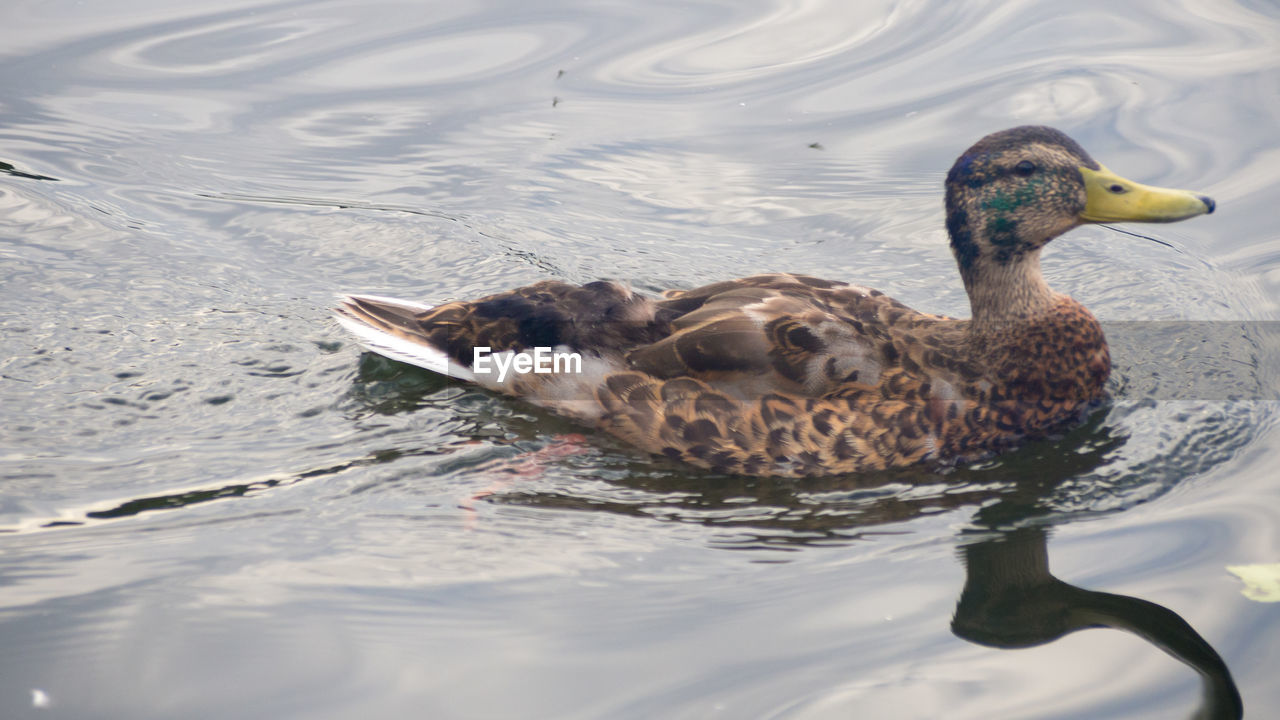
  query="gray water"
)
[{"x": 213, "y": 506}]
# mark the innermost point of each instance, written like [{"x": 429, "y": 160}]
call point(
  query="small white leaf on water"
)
[
  {"x": 40, "y": 698},
  {"x": 1261, "y": 582}
]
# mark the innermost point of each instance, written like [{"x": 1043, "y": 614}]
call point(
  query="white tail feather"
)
[
  {"x": 398, "y": 348},
  {"x": 406, "y": 304}
]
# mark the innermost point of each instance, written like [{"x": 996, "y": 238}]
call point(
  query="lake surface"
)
[{"x": 213, "y": 506}]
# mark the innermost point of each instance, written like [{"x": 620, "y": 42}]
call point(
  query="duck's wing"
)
[
  {"x": 787, "y": 333},
  {"x": 581, "y": 333},
  {"x": 598, "y": 318}
]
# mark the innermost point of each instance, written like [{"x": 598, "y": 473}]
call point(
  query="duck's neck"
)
[{"x": 1001, "y": 295}]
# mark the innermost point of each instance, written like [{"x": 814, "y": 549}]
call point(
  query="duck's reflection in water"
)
[{"x": 1011, "y": 600}]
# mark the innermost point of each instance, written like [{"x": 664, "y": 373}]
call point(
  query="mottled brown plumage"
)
[{"x": 791, "y": 375}]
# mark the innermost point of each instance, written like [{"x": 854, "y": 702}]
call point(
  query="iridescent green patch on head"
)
[{"x": 1009, "y": 200}]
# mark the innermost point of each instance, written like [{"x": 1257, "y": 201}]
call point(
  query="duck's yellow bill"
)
[{"x": 1111, "y": 198}]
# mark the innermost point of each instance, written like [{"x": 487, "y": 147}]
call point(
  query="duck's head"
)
[{"x": 1015, "y": 190}]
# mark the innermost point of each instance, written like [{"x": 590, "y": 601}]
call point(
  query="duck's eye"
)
[
  {"x": 1118, "y": 189},
  {"x": 1025, "y": 168}
]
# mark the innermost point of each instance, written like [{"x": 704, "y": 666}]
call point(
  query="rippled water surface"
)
[{"x": 213, "y": 506}]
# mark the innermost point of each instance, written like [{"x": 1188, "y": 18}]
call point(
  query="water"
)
[{"x": 212, "y": 506}]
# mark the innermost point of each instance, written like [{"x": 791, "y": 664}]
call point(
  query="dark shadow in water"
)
[
  {"x": 199, "y": 496},
  {"x": 7, "y": 169},
  {"x": 1010, "y": 600}
]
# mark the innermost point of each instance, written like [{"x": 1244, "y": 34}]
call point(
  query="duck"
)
[{"x": 789, "y": 375}]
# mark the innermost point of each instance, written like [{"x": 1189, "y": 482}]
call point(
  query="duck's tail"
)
[{"x": 392, "y": 328}]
